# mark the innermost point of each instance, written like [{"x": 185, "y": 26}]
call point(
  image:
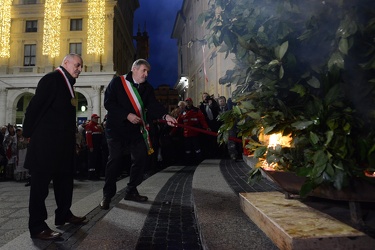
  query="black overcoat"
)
[
  {"x": 118, "y": 105},
  {"x": 50, "y": 123}
]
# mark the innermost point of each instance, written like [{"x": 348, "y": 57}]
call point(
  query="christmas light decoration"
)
[
  {"x": 95, "y": 29},
  {"x": 5, "y": 28},
  {"x": 52, "y": 24}
]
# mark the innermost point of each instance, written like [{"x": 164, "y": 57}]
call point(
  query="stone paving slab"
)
[
  {"x": 213, "y": 189},
  {"x": 121, "y": 227},
  {"x": 125, "y": 225},
  {"x": 14, "y": 234},
  {"x": 222, "y": 224}
]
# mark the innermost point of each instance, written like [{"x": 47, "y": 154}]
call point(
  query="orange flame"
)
[{"x": 273, "y": 141}]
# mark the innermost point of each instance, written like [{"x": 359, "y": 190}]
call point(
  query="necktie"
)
[
  {"x": 136, "y": 85},
  {"x": 209, "y": 113}
]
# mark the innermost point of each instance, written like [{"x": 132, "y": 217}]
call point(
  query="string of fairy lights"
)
[
  {"x": 52, "y": 27},
  {"x": 51, "y": 30},
  {"x": 5, "y": 28},
  {"x": 95, "y": 29}
]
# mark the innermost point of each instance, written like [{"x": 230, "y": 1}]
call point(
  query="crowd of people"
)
[
  {"x": 90, "y": 158},
  {"x": 198, "y": 127},
  {"x": 137, "y": 136},
  {"x": 12, "y": 153},
  {"x": 173, "y": 145}
]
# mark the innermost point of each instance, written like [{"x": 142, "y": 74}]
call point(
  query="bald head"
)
[{"x": 73, "y": 64}]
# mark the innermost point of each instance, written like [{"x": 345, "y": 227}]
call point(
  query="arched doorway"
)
[
  {"x": 21, "y": 106},
  {"x": 82, "y": 111},
  {"x": 24, "y": 100}
]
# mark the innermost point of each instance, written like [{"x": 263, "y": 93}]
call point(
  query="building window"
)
[
  {"x": 75, "y": 24},
  {"x": 32, "y": 26},
  {"x": 29, "y": 1},
  {"x": 29, "y": 55},
  {"x": 75, "y": 48}
]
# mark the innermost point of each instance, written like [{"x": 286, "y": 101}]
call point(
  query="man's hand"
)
[
  {"x": 171, "y": 121},
  {"x": 133, "y": 118}
]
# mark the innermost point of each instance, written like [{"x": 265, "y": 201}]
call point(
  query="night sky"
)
[{"x": 159, "y": 17}]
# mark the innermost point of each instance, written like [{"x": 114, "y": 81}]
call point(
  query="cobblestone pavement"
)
[
  {"x": 171, "y": 222},
  {"x": 236, "y": 173}
]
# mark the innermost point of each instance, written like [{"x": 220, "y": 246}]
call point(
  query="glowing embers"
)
[
  {"x": 370, "y": 173},
  {"x": 96, "y": 24},
  {"x": 5, "y": 22},
  {"x": 52, "y": 24},
  {"x": 275, "y": 143}
]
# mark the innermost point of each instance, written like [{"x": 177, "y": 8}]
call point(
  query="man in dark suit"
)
[
  {"x": 210, "y": 109},
  {"x": 50, "y": 123},
  {"x": 126, "y": 99}
]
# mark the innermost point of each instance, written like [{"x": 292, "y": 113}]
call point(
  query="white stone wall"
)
[
  {"x": 90, "y": 85},
  {"x": 191, "y": 58},
  {"x": 17, "y": 80}
]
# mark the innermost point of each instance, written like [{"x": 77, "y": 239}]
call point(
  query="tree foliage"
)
[{"x": 305, "y": 68}]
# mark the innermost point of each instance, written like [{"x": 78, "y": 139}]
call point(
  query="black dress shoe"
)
[
  {"x": 104, "y": 204},
  {"x": 72, "y": 220},
  {"x": 135, "y": 197},
  {"x": 47, "y": 234}
]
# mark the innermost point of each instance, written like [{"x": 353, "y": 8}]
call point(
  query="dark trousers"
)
[
  {"x": 193, "y": 153},
  {"x": 139, "y": 158},
  {"x": 63, "y": 190},
  {"x": 95, "y": 162}
]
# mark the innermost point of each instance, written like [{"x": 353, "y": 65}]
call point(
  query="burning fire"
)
[
  {"x": 279, "y": 139},
  {"x": 285, "y": 141},
  {"x": 273, "y": 141},
  {"x": 370, "y": 174}
]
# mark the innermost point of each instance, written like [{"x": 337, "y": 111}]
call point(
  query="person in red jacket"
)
[
  {"x": 192, "y": 117},
  {"x": 94, "y": 144}
]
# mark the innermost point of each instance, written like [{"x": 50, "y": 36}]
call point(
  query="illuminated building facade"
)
[
  {"x": 199, "y": 66},
  {"x": 35, "y": 36}
]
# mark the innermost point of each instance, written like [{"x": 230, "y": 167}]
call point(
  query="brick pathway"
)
[{"x": 171, "y": 223}]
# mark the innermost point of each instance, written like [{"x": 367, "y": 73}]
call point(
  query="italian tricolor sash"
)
[{"x": 137, "y": 103}]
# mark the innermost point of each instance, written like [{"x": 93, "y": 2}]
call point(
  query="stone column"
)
[
  {"x": 107, "y": 58},
  {"x": 3, "y": 105},
  {"x": 3, "y": 65},
  {"x": 96, "y": 100},
  {"x": 96, "y": 64},
  {"x": 49, "y": 64}
]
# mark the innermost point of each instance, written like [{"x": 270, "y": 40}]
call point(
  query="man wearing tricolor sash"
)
[{"x": 128, "y": 99}]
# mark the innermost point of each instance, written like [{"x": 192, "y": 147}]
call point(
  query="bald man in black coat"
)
[{"x": 50, "y": 123}]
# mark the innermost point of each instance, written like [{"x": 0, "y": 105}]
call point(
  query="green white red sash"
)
[{"x": 138, "y": 106}]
